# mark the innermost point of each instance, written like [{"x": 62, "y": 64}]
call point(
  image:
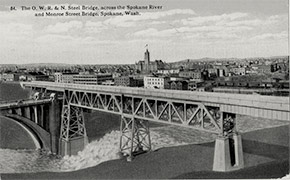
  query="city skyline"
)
[{"x": 187, "y": 30}]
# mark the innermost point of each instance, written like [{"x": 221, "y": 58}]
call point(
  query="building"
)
[
  {"x": 168, "y": 71},
  {"x": 92, "y": 79},
  {"x": 220, "y": 73},
  {"x": 31, "y": 76},
  {"x": 36, "y": 76},
  {"x": 124, "y": 81},
  {"x": 89, "y": 79},
  {"x": 108, "y": 83},
  {"x": 280, "y": 66},
  {"x": 64, "y": 77},
  {"x": 139, "y": 81},
  {"x": 7, "y": 77},
  {"x": 199, "y": 86},
  {"x": 239, "y": 71},
  {"x": 58, "y": 77},
  {"x": 193, "y": 85},
  {"x": 153, "y": 82},
  {"x": 22, "y": 77},
  {"x": 146, "y": 66},
  {"x": 186, "y": 74},
  {"x": 212, "y": 72},
  {"x": 196, "y": 75},
  {"x": 115, "y": 74},
  {"x": 249, "y": 70},
  {"x": 176, "y": 84},
  {"x": 128, "y": 81},
  {"x": 263, "y": 68}
]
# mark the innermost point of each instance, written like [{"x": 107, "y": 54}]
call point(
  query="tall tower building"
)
[
  {"x": 145, "y": 66},
  {"x": 147, "y": 60},
  {"x": 147, "y": 57}
]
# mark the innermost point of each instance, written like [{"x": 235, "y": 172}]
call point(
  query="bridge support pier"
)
[
  {"x": 228, "y": 154},
  {"x": 35, "y": 114},
  {"x": 135, "y": 137},
  {"x": 41, "y": 115},
  {"x": 18, "y": 111},
  {"x": 27, "y": 113},
  {"x": 73, "y": 136},
  {"x": 53, "y": 124}
]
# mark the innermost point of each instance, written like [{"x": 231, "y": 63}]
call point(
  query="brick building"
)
[{"x": 128, "y": 81}]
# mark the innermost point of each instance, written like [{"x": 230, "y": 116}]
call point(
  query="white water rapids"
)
[
  {"x": 103, "y": 149},
  {"x": 107, "y": 148}
]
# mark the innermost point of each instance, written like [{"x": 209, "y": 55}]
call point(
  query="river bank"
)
[{"x": 262, "y": 160}]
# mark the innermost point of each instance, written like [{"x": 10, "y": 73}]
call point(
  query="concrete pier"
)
[
  {"x": 41, "y": 115},
  {"x": 35, "y": 114},
  {"x": 228, "y": 154},
  {"x": 18, "y": 111},
  {"x": 27, "y": 113},
  {"x": 73, "y": 146},
  {"x": 54, "y": 124}
]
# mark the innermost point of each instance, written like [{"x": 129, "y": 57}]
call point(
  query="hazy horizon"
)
[{"x": 210, "y": 59}]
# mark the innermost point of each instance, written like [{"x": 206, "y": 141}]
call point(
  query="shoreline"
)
[{"x": 188, "y": 161}]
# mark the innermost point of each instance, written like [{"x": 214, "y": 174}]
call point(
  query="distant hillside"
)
[
  {"x": 187, "y": 62},
  {"x": 46, "y": 64},
  {"x": 229, "y": 59},
  {"x": 35, "y": 64}
]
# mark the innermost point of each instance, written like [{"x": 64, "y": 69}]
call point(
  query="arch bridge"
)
[{"x": 40, "y": 116}]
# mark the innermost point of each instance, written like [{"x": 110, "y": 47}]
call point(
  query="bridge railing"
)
[
  {"x": 9, "y": 101},
  {"x": 14, "y": 101},
  {"x": 13, "y": 104}
]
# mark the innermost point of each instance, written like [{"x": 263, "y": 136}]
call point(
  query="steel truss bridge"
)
[{"x": 211, "y": 112}]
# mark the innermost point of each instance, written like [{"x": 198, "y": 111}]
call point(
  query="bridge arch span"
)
[{"x": 39, "y": 136}]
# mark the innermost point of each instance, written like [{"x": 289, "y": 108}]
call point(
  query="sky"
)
[{"x": 182, "y": 29}]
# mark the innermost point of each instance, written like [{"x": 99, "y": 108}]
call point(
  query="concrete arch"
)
[
  {"x": 34, "y": 138},
  {"x": 40, "y": 136}
]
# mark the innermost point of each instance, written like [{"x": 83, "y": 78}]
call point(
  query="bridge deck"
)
[{"x": 255, "y": 105}]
